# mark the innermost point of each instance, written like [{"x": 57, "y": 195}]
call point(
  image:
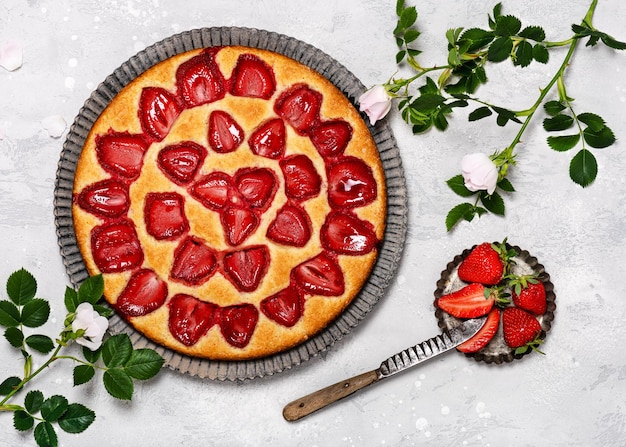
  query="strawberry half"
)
[
  {"x": 158, "y": 109},
  {"x": 320, "y": 275},
  {"x": 252, "y": 77},
  {"x": 484, "y": 334},
  {"x": 472, "y": 301},
  {"x": 331, "y": 138},
  {"x": 300, "y": 107},
  {"x": 181, "y": 162},
  {"x": 302, "y": 180},
  {"x": 105, "y": 199},
  {"x": 212, "y": 190},
  {"x": 225, "y": 135},
  {"x": 532, "y": 297},
  {"x": 246, "y": 268},
  {"x": 190, "y": 318},
  {"x": 199, "y": 80},
  {"x": 351, "y": 184},
  {"x": 284, "y": 307},
  {"x": 115, "y": 247},
  {"x": 483, "y": 265},
  {"x": 268, "y": 140},
  {"x": 144, "y": 293},
  {"x": 238, "y": 224},
  {"x": 121, "y": 153},
  {"x": 237, "y": 323},
  {"x": 291, "y": 226},
  {"x": 194, "y": 262},
  {"x": 164, "y": 215},
  {"x": 520, "y": 328},
  {"x": 346, "y": 234},
  {"x": 257, "y": 186}
]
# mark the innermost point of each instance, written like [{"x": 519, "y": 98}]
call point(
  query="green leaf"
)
[
  {"x": 9, "y": 314},
  {"x": 506, "y": 185},
  {"x": 523, "y": 54},
  {"x": 479, "y": 113},
  {"x": 457, "y": 184},
  {"x": 21, "y": 287},
  {"x": 116, "y": 350},
  {"x": 14, "y": 336},
  {"x": 583, "y": 168},
  {"x": 400, "y": 56},
  {"x": 541, "y": 54},
  {"x": 23, "y": 421},
  {"x": 494, "y": 203},
  {"x": 497, "y": 13},
  {"x": 399, "y": 7},
  {"x": 478, "y": 38},
  {"x": 40, "y": 343},
  {"x": 83, "y": 374},
  {"x": 612, "y": 43},
  {"x": 103, "y": 310},
  {"x": 71, "y": 299},
  {"x": 427, "y": 102},
  {"x": 118, "y": 383},
  {"x": 500, "y": 49},
  {"x": 35, "y": 313},
  {"x": 563, "y": 143},
  {"x": 408, "y": 17},
  {"x": 77, "y": 419},
  {"x": 411, "y": 35},
  {"x": 465, "y": 211},
  {"x": 9, "y": 384},
  {"x": 595, "y": 122},
  {"x": 91, "y": 356},
  {"x": 535, "y": 33},
  {"x": 144, "y": 364},
  {"x": 45, "y": 435},
  {"x": 558, "y": 122},
  {"x": 553, "y": 108},
  {"x": 507, "y": 26},
  {"x": 603, "y": 138},
  {"x": 33, "y": 401},
  {"x": 53, "y": 408},
  {"x": 91, "y": 289}
]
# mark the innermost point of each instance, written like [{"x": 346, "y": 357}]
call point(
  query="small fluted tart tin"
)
[{"x": 497, "y": 351}]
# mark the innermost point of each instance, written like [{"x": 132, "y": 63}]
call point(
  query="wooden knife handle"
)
[{"x": 326, "y": 396}]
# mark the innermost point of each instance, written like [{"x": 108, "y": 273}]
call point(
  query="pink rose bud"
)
[
  {"x": 376, "y": 103},
  {"x": 479, "y": 172}
]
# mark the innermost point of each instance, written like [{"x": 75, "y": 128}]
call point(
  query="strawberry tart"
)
[
  {"x": 510, "y": 287},
  {"x": 233, "y": 200}
]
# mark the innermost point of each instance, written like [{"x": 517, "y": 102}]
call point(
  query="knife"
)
[{"x": 444, "y": 342}]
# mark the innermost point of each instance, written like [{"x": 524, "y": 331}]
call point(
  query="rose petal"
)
[
  {"x": 11, "y": 55},
  {"x": 55, "y": 125}
]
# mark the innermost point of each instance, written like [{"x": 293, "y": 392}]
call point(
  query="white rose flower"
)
[
  {"x": 479, "y": 172},
  {"x": 94, "y": 325},
  {"x": 376, "y": 103}
]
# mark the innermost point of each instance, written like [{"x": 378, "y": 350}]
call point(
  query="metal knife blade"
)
[{"x": 401, "y": 361}]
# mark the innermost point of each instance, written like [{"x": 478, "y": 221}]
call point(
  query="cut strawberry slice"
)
[
  {"x": 225, "y": 135},
  {"x": 194, "y": 262},
  {"x": 351, "y": 184},
  {"x": 292, "y": 226},
  {"x": 200, "y": 81},
  {"x": 121, "y": 153},
  {"x": 285, "y": 307},
  {"x": 331, "y": 138},
  {"x": 320, "y": 275},
  {"x": 238, "y": 323},
  {"x": 300, "y": 107},
  {"x": 164, "y": 214},
  {"x": 238, "y": 224},
  {"x": 257, "y": 186},
  {"x": 158, "y": 109},
  {"x": 302, "y": 180},
  {"x": 181, "y": 162},
  {"x": 144, "y": 293},
  {"x": 252, "y": 77},
  {"x": 106, "y": 198},
  {"x": 472, "y": 301},
  {"x": 116, "y": 247},
  {"x": 212, "y": 190},
  {"x": 484, "y": 335},
  {"x": 246, "y": 268},
  {"x": 190, "y": 318},
  {"x": 268, "y": 140},
  {"x": 346, "y": 234}
]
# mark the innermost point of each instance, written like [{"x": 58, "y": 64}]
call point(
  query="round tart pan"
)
[
  {"x": 390, "y": 250},
  {"x": 496, "y": 351}
]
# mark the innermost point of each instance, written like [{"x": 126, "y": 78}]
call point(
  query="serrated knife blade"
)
[{"x": 399, "y": 362}]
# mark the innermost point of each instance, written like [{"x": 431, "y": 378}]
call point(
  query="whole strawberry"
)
[
  {"x": 485, "y": 264},
  {"x": 531, "y": 298},
  {"x": 520, "y": 329}
]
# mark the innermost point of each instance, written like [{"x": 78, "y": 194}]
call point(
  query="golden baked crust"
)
[{"x": 268, "y": 337}]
